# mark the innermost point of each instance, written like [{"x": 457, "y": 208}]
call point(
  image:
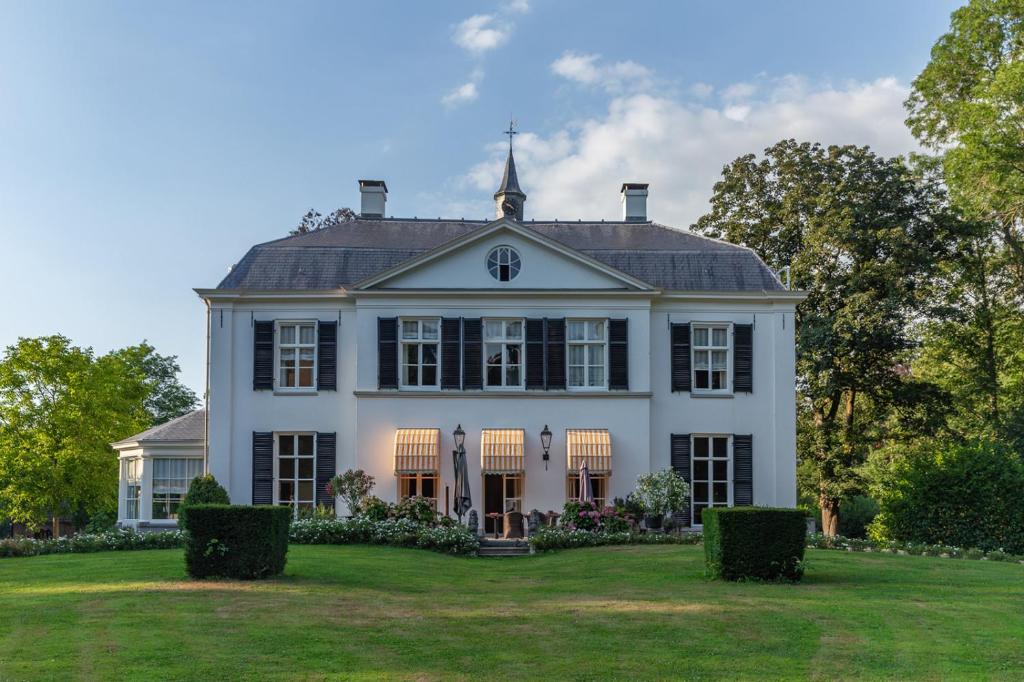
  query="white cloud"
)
[
  {"x": 478, "y": 34},
  {"x": 701, "y": 90},
  {"x": 518, "y": 6},
  {"x": 587, "y": 69},
  {"x": 680, "y": 146},
  {"x": 467, "y": 92},
  {"x": 739, "y": 91}
]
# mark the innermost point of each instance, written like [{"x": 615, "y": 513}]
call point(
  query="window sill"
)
[
  {"x": 296, "y": 392},
  {"x": 696, "y": 394}
]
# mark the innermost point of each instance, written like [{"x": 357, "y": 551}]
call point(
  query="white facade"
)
[{"x": 453, "y": 281}]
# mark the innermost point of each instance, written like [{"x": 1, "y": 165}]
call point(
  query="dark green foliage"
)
[
  {"x": 855, "y": 513},
  {"x": 754, "y": 542},
  {"x": 101, "y": 522},
  {"x": 235, "y": 541},
  {"x": 965, "y": 495},
  {"x": 202, "y": 490}
]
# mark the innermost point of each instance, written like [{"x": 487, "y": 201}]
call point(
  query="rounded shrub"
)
[
  {"x": 953, "y": 494},
  {"x": 202, "y": 490}
]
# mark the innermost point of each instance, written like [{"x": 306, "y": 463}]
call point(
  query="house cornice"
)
[{"x": 735, "y": 296}]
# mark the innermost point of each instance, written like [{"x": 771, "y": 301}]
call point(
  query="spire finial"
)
[{"x": 510, "y": 132}]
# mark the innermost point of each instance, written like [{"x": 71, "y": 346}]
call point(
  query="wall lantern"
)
[
  {"x": 545, "y": 442},
  {"x": 460, "y": 437}
]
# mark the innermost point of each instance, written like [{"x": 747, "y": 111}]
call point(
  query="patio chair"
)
[{"x": 513, "y": 525}]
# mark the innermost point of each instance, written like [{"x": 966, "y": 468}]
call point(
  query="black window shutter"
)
[
  {"x": 743, "y": 358},
  {"x": 326, "y": 449},
  {"x": 263, "y": 355},
  {"x": 535, "y": 354},
  {"x": 262, "y": 468},
  {"x": 743, "y": 470},
  {"x": 387, "y": 352},
  {"x": 451, "y": 355},
  {"x": 555, "y": 351},
  {"x": 327, "y": 357},
  {"x": 472, "y": 355},
  {"x": 680, "y": 460},
  {"x": 618, "y": 355},
  {"x": 680, "y": 357}
]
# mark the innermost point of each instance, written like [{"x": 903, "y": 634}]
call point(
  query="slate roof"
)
[
  {"x": 340, "y": 256},
  {"x": 191, "y": 426}
]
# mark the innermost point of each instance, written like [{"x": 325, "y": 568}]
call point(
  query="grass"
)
[{"x": 624, "y": 612}]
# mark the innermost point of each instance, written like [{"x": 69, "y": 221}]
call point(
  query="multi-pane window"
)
[
  {"x": 710, "y": 474},
  {"x": 296, "y": 471},
  {"x": 419, "y": 352},
  {"x": 503, "y": 351},
  {"x": 131, "y": 473},
  {"x": 171, "y": 478},
  {"x": 503, "y": 263},
  {"x": 296, "y": 353},
  {"x": 587, "y": 345},
  {"x": 418, "y": 485},
  {"x": 711, "y": 357},
  {"x": 598, "y": 482}
]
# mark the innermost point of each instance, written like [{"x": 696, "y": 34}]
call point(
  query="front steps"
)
[{"x": 494, "y": 548}]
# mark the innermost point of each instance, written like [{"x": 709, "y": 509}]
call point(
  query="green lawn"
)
[{"x": 636, "y": 612}]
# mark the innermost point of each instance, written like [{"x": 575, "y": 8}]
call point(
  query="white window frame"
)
[
  {"x": 165, "y": 498},
  {"x": 505, "y": 341},
  {"x": 278, "y": 324},
  {"x": 418, "y": 341},
  {"x": 131, "y": 472},
  {"x": 694, "y": 349},
  {"x": 711, "y": 474},
  {"x": 586, "y": 366},
  {"x": 295, "y": 505},
  {"x": 497, "y": 251}
]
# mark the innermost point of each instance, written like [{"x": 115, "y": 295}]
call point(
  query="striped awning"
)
[
  {"x": 592, "y": 445},
  {"x": 416, "y": 451},
  {"x": 501, "y": 451}
]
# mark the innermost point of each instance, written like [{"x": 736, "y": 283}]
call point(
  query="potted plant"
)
[
  {"x": 661, "y": 493},
  {"x": 352, "y": 487}
]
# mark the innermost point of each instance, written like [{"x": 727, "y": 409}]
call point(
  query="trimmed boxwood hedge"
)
[
  {"x": 236, "y": 541},
  {"x": 754, "y": 542}
]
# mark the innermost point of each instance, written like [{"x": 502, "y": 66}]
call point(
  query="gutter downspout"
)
[{"x": 206, "y": 397}]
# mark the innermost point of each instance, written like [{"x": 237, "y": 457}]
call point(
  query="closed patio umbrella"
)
[
  {"x": 463, "y": 499},
  {"x": 586, "y": 487}
]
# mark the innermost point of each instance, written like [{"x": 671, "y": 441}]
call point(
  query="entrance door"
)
[{"x": 502, "y": 493}]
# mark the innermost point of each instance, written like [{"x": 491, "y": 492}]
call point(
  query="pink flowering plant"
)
[
  {"x": 587, "y": 517},
  {"x": 352, "y": 487}
]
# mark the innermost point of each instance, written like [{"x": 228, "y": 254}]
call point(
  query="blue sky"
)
[{"x": 144, "y": 147}]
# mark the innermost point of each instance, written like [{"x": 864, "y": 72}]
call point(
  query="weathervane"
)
[{"x": 510, "y": 132}]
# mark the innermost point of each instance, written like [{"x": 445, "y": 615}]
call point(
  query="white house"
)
[{"x": 365, "y": 345}]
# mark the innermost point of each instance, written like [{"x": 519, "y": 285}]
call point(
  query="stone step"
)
[{"x": 503, "y": 551}]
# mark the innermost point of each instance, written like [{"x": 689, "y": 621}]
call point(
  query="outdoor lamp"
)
[
  {"x": 545, "y": 442},
  {"x": 460, "y": 437}
]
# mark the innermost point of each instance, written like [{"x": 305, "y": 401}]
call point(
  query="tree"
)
[
  {"x": 60, "y": 407},
  {"x": 167, "y": 397},
  {"x": 969, "y": 101},
  {"x": 862, "y": 234},
  {"x": 974, "y": 348},
  {"x": 313, "y": 221}
]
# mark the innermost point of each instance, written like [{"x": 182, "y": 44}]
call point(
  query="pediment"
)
[{"x": 542, "y": 264}]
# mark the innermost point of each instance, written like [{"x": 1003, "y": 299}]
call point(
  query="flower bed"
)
[
  {"x": 445, "y": 538},
  {"x": 113, "y": 540},
  {"x": 547, "y": 539},
  {"x": 838, "y": 542}
]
